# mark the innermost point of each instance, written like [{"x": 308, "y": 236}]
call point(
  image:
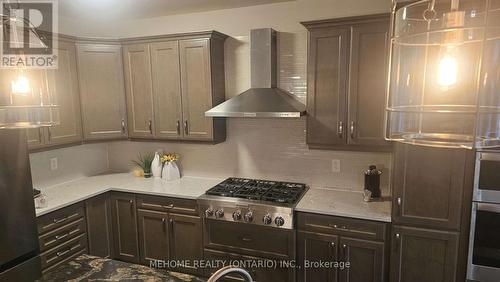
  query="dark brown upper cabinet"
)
[
  {"x": 429, "y": 186},
  {"x": 347, "y": 74},
  {"x": 423, "y": 255},
  {"x": 126, "y": 243},
  {"x": 102, "y": 90},
  {"x": 99, "y": 226},
  {"x": 171, "y": 82},
  {"x": 138, "y": 85}
]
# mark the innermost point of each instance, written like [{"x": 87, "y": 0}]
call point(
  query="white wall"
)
[
  {"x": 285, "y": 16},
  {"x": 73, "y": 162}
]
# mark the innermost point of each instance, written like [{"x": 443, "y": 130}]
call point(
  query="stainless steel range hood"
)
[{"x": 264, "y": 99}]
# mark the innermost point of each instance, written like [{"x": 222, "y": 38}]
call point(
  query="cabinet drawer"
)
[
  {"x": 59, "y": 218},
  {"x": 71, "y": 257},
  {"x": 355, "y": 228},
  {"x": 167, "y": 204},
  {"x": 63, "y": 251},
  {"x": 63, "y": 234},
  {"x": 249, "y": 239}
]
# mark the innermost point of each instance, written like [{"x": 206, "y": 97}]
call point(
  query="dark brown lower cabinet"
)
[
  {"x": 186, "y": 241},
  {"x": 366, "y": 259},
  {"x": 316, "y": 248},
  {"x": 99, "y": 226},
  {"x": 423, "y": 255},
  {"x": 126, "y": 244},
  {"x": 153, "y": 235}
]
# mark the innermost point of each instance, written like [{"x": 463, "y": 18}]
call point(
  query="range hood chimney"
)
[{"x": 264, "y": 99}]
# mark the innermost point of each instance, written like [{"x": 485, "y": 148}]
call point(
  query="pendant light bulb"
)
[
  {"x": 448, "y": 68},
  {"x": 20, "y": 86}
]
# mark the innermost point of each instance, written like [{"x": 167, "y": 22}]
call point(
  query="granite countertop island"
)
[
  {"x": 90, "y": 268},
  {"x": 68, "y": 193}
]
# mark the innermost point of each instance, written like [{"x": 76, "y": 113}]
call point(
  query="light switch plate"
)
[
  {"x": 53, "y": 164},
  {"x": 336, "y": 166}
]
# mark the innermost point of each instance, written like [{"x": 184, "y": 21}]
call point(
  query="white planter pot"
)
[
  {"x": 170, "y": 171},
  {"x": 156, "y": 167}
]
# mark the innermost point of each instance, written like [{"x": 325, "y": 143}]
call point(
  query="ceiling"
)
[{"x": 137, "y": 9}]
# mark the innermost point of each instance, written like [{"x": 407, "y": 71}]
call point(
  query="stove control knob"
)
[
  {"x": 249, "y": 216},
  {"x": 219, "y": 213},
  {"x": 279, "y": 221},
  {"x": 267, "y": 219},
  {"x": 237, "y": 215},
  {"x": 209, "y": 212}
]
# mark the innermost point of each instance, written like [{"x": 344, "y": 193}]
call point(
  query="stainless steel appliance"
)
[
  {"x": 259, "y": 202},
  {"x": 484, "y": 241},
  {"x": 264, "y": 99},
  {"x": 19, "y": 250}
]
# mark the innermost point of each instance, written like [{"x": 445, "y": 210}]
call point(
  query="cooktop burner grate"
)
[{"x": 272, "y": 191}]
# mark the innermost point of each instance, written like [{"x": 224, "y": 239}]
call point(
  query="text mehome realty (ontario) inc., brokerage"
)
[{"x": 249, "y": 264}]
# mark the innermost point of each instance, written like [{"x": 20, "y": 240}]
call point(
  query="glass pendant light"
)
[
  {"x": 24, "y": 97},
  {"x": 444, "y": 84}
]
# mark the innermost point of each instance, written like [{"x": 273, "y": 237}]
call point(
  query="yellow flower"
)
[{"x": 169, "y": 157}]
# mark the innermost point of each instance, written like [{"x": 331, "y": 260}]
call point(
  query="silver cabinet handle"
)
[
  {"x": 40, "y": 134},
  {"x": 171, "y": 206},
  {"x": 60, "y": 254},
  {"x": 62, "y": 236},
  {"x": 60, "y": 220},
  {"x": 352, "y": 130},
  {"x": 186, "y": 129},
  {"x": 178, "y": 127},
  {"x": 398, "y": 200},
  {"x": 123, "y": 125},
  {"x": 150, "y": 126},
  {"x": 398, "y": 235},
  {"x": 340, "y": 129},
  {"x": 332, "y": 244}
]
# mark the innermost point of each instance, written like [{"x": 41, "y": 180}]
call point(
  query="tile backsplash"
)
[{"x": 262, "y": 148}]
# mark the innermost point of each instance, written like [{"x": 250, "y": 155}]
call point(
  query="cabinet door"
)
[
  {"x": 99, "y": 226},
  {"x": 423, "y": 255},
  {"x": 63, "y": 88},
  {"x": 153, "y": 236},
  {"x": 137, "y": 67},
  {"x": 428, "y": 186},
  {"x": 327, "y": 86},
  {"x": 186, "y": 240},
  {"x": 366, "y": 259},
  {"x": 367, "y": 83},
  {"x": 36, "y": 137},
  {"x": 196, "y": 88},
  {"x": 167, "y": 89},
  {"x": 126, "y": 244},
  {"x": 102, "y": 91},
  {"x": 315, "y": 248}
]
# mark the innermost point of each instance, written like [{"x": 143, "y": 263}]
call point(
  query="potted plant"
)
[
  {"x": 144, "y": 162},
  {"x": 170, "y": 169}
]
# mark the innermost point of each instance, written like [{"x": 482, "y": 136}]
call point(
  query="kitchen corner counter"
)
[
  {"x": 68, "y": 193},
  {"x": 344, "y": 203}
]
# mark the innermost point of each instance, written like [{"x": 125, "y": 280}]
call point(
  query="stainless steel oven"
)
[
  {"x": 487, "y": 177},
  {"x": 484, "y": 241}
]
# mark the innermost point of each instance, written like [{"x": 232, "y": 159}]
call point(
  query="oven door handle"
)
[{"x": 488, "y": 207}]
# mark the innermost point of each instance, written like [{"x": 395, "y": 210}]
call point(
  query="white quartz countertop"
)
[
  {"x": 68, "y": 193},
  {"x": 344, "y": 203}
]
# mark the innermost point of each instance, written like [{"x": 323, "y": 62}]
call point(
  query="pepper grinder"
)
[{"x": 372, "y": 181}]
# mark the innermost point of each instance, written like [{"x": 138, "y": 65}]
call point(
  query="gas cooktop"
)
[
  {"x": 252, "y": 201},
  {"x": 264, "y": 190}
]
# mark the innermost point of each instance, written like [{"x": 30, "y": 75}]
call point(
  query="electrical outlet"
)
[
  {"x": 336, "y": 166},
  {"x": 53, "y": 164}
]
